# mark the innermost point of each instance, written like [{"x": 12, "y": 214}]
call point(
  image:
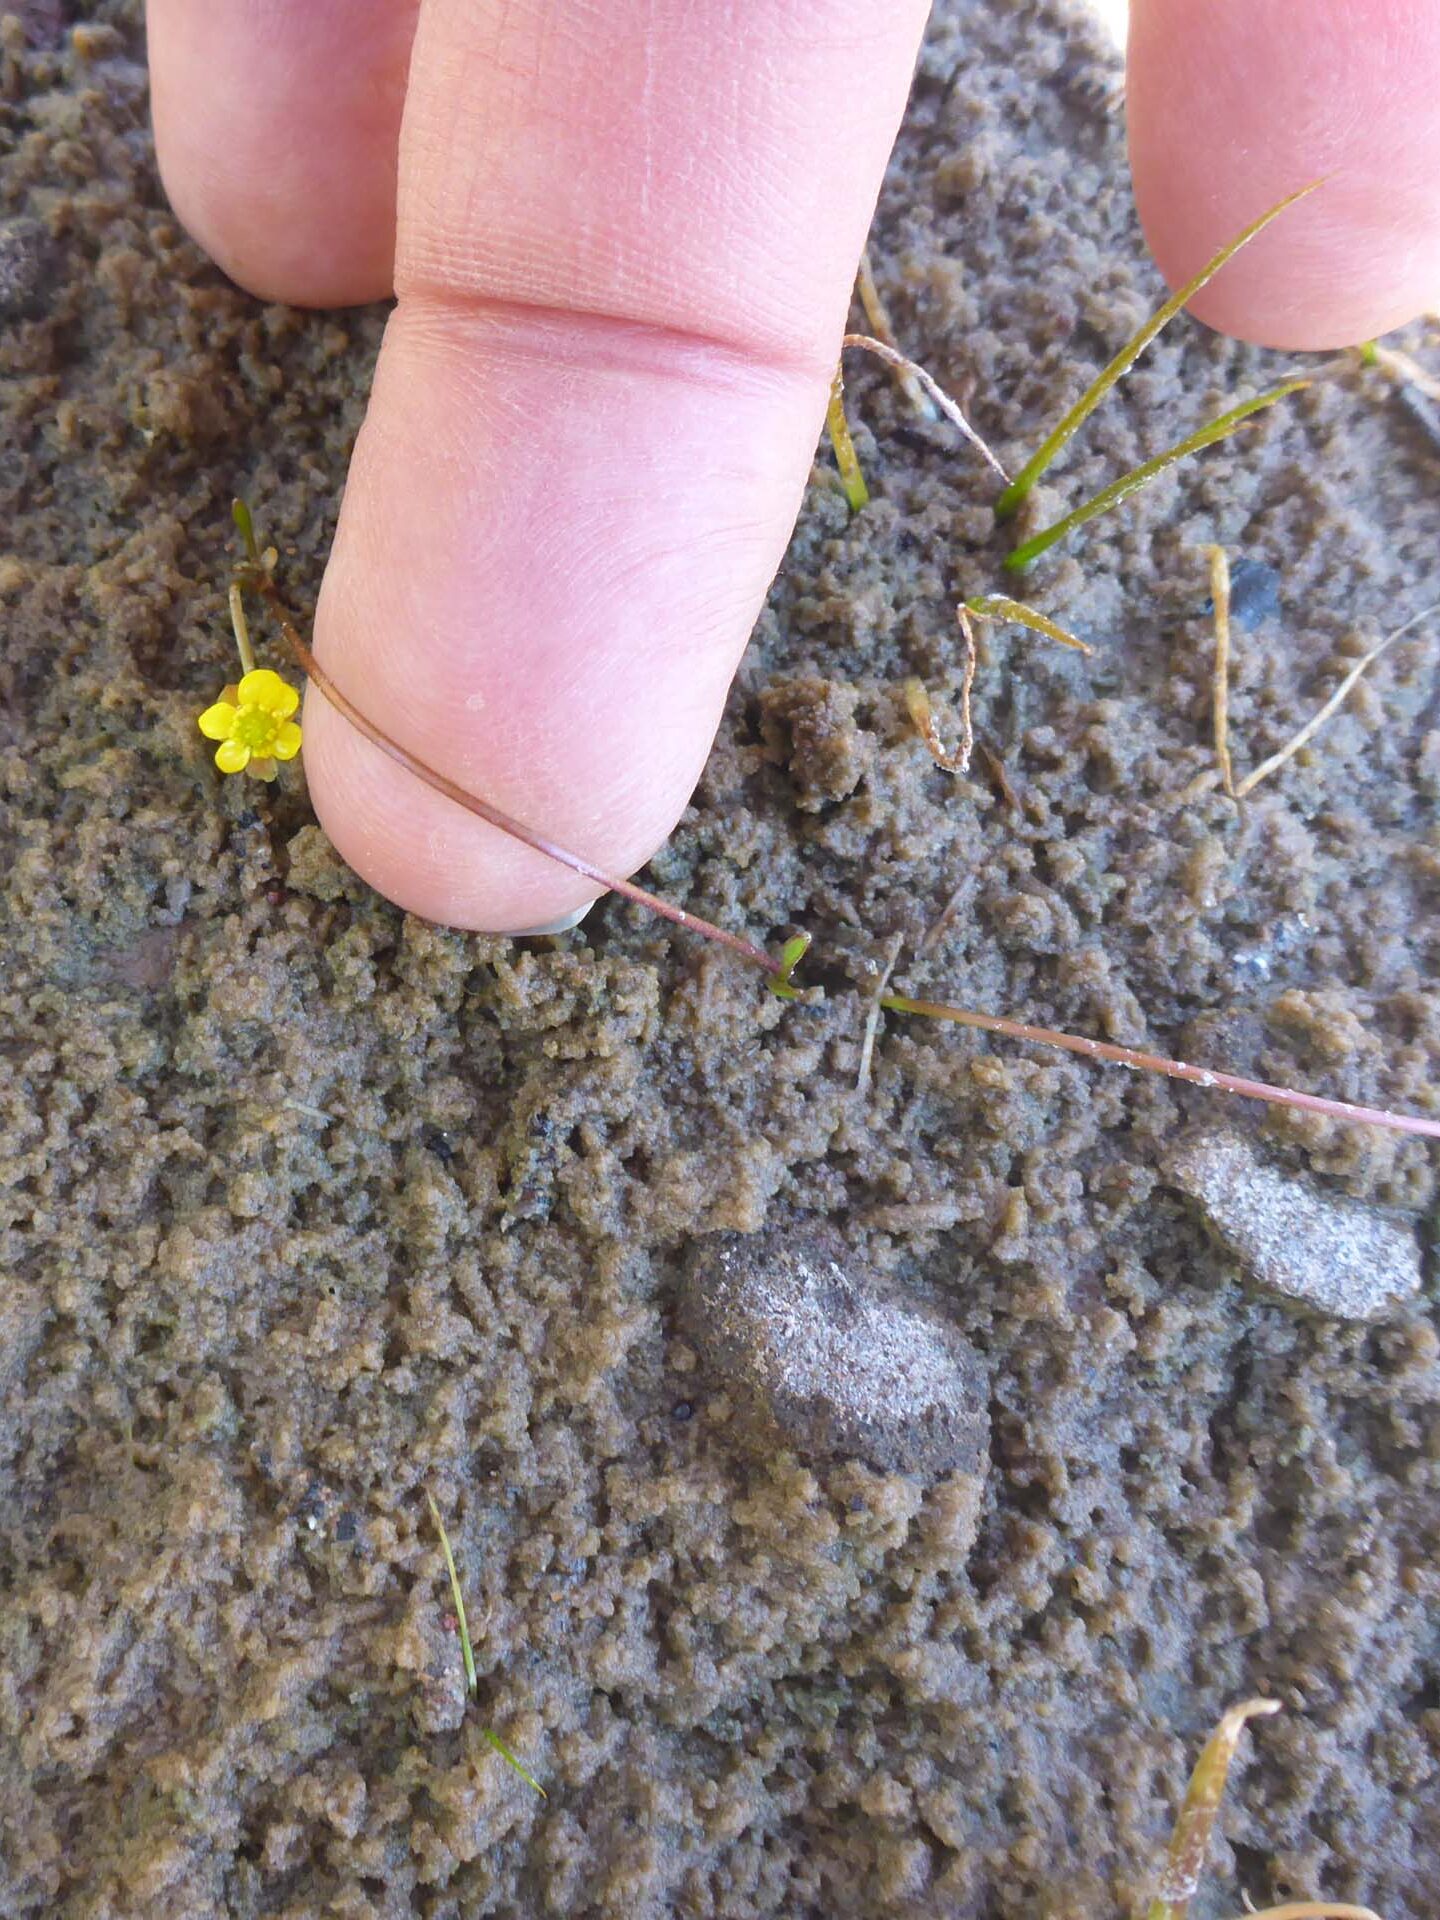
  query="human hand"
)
[{"x": 623, "y": 249}]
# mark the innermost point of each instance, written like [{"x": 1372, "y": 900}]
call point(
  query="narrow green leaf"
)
[
  {"x": 1128, "y": 483},
  {"x": 468, "y": 1652},
  {"x": 1128, "y": 355},
  {"x": 510, "y": 1760},
  {"x": 240, "y": 514},
  {"x": 852, "y": 480}
]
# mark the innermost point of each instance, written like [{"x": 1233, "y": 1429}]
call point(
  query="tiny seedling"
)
[
  {"x": 997, "y": 606},
  {"x": 1190, "y": 1839},
  {"x": 1016, "y": 490},
  {"x": 781, "y": 981},
  {"x": 467, "y": 1651},
  {"x": 852, "y": 480},
  {"x": 257, "y": 571}
]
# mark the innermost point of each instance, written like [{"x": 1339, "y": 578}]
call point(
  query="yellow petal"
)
[
  {"x": 287, "y": 740},
  {"x": 263, "y": 769},
  {"x": 218, "y": 722},
  {"x": 231, "y": 757},
  {"x": 266, "y": 690}
]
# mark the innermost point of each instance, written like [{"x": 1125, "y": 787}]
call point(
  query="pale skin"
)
[{"x": 622, "y": 235}]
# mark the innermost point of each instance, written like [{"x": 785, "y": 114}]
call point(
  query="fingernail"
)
[{"x": 556, "y": 926}]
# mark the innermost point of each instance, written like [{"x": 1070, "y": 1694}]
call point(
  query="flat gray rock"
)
[
  {"x": 1335, "y": 1255},
  {"x": 812, "y": 1344}
]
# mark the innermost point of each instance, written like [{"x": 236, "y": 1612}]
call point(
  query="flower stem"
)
[
  {"x": 492, "y": 815},
  {"x": 1158, "y": 1063},
  {"x": 242, "y": 629}
]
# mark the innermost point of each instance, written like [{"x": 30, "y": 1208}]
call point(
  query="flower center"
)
[{"x": 256, "y": 729}]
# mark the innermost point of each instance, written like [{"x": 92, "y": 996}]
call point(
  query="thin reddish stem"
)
[
  {"x": 1157, "y": 1063},
  {"x": 257, "y": 575},
  {"x": 492, "y": 815}
]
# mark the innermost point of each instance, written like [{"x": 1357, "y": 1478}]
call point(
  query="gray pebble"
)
[
  {"x": 25, "y": 262},
  {"x": 1254, "y": 594},
  {"x": 810, "y": 1343},
  {"x": 1333, "y": 1254}
]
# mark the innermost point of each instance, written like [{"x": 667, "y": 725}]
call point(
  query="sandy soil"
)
[{"x": 309, "y": 1207}]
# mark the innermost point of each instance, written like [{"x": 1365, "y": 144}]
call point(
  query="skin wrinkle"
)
[
  {"x": 606, "y": 570},
  {"x": 571, "y": 342},
  {"x": 611, "y": 258}
]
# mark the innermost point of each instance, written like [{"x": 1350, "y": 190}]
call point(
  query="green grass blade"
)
[
  {"x": 1128, "y": 483},
  {"x": 510, "y": 1760},
  {"x": 852, "y": 480},
  {"x": 466, "y": 1649},
  {"x": 240, "y": 514},
  {"x": 1129, "y": 354},
  {"x": 471, "y": 1679}
]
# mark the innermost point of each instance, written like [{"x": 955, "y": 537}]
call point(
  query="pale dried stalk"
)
[
  {"x": 884, "y": 332},
  {"x": 1220, "y": 595},
  {"x": 922, "y": 714},
  {"x": 1404, "y": 371},
  {"x": 1209, "y": 777},
  {"x": 1185, "y": 1861},
  {"x": 241, "y": 628},
  {"x": 1311, "y": 1910},
  {"x": 950, "y": 408},
  {"x": 1332, "y": 705},
  {"x": 872, "y": 1019}
]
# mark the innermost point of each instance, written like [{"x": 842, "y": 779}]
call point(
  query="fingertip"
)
[
  {"x": 555, "y": 539},
  {"x": 276, "y": 136},
  {"x": 1236, "y": 103}
]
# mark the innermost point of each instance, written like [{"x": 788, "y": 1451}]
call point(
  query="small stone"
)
[
  {"x": 809, "y": 1342},
  {"x": 1333, "y": 1254},
  {"x": 26, "y": 262},
  {"x": 1254, "y": 594}
]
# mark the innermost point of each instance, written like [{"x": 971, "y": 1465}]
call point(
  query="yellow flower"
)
[{"x": 253, "y": 725}]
